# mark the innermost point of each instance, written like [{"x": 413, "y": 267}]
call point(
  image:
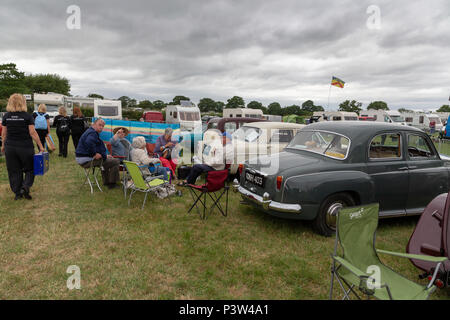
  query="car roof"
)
[
  {"x": 274, "y": 124},
  {"x": 354, "y": 129}
]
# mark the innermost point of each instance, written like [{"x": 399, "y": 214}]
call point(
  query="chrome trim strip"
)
[{"x": 266, "y": 203}]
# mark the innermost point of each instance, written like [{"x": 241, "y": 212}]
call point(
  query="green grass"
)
[{"x": 161, "y": 252}]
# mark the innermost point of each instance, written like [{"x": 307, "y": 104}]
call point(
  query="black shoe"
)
[
  {"x": 112, "y": 186},
  {"x": 18, "y": 197},
  {"x": 60, "y": 155},
  {"x": 26, "y": 194}
]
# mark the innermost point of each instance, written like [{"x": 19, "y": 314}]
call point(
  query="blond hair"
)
[
  {"x": 62, "y": 111},
  {"x": 42, "y": 108},
  {"x": 16, "y": 103}
]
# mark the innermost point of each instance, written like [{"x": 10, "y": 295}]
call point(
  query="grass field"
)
[{"x": 161, "y": 252}]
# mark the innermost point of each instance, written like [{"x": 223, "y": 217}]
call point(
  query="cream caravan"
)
[
  {"x": 52, "y": 101},
  {"x": 336, "y": 116},
  {"x": 242, "y": 113},
  {"x": 391, "y": 116},
  {"x": 186, "y": 114}
]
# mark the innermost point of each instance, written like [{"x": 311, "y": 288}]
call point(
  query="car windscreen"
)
[
  {"x": 247, "y": 134},
  {"x": 329, "y": 144}
]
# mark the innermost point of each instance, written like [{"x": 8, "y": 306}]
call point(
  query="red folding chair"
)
[{"x": 215, "y": 187}]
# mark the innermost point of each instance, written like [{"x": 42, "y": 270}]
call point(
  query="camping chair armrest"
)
[
  {"x": 361, "y": 275},
  {"x": 347, "y": 265},
  {"x": 414, "y": 256}
]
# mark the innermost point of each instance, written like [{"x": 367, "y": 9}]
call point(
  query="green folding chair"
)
[
  {"x": 139, "y": 184},
  {"x": 359, "y": 268}
]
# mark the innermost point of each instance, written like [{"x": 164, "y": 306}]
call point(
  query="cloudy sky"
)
[{"x": 283, "y": 50}]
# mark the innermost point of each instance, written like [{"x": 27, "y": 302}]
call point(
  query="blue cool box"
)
[{"x": 41, "y": 163}]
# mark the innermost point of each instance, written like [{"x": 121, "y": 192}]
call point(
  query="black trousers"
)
[
  {"x": 63, "y": 142},
  {"x": 110, "y": 174},
  {"x": 19, "y": 163},
  {"x": 197, "y": 169},
  {"x": 42, "y": 133},
  {"x": 75, "y": 138}
]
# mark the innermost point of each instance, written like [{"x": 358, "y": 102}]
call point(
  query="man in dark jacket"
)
[{"x": 91, "y": 148}]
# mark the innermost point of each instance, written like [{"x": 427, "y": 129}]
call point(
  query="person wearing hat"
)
[
  {"x": 119, "y": 145},
  {"x": 219, "y": 154}
]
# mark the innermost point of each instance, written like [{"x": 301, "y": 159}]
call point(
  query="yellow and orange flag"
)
[{"x": 337, "y": 82}]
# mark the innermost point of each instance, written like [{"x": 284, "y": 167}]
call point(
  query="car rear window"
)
[{"x": 329, "y": 144}]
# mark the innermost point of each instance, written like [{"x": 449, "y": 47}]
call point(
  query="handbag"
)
[{"x": 49, "y": 143}]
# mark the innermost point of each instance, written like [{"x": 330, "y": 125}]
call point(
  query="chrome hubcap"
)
[{"x": 332, "y": 214}]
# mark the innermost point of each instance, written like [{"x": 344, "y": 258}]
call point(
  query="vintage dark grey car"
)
[{"x": 329, "y": 165}]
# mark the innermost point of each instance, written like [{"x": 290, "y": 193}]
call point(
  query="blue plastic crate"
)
[{"x": 41, "y": 163}]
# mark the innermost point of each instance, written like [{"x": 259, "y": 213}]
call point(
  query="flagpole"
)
[{"x": 329, "y": 94}]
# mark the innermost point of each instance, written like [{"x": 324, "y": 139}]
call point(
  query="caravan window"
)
[
  {"x": 421, "y": 119},
  {"x": 189, "y": 116},
  {"x": 351, "y": 118},
  {"x": 108, "y": 111},
  {"x": 175, "y": 114}
]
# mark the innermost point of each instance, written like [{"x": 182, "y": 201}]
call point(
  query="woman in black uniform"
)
[
  {"x": 77, "y": 125},
  {"x": 18, "y": 134},
  {"x": 62, "y": 124}
]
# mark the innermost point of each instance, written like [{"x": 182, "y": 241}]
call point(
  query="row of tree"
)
[{"x": 14, "y": 81}]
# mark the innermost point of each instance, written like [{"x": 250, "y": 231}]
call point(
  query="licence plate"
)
[{"x": 254, "y": 178}]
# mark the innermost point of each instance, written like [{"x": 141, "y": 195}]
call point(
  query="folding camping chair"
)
[
  {"x": 90, "y": 170},
  {"x": 359, "y": 267},
  {"x": 431, "y": 236},
  {"x": 139, "y": 184},
  {"x": 215, "y": 182}
]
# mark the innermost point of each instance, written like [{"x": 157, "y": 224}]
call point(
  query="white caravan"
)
[
  {"x": 187, "y": 115},
  {"x": 242, "y": 113},
  {"x": 391, "y": 116},
  {"x": 336, "y": 116},
  {"x": 52, "y": 101},
  {"x": 422, "y": 120},
  {"x": 272, "y": 118},
  {"x": 109, "y": 109}
]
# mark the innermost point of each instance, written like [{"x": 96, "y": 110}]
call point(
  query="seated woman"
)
[
  {"x": 119, "y": 145},
  {"x": 163, "y": 148},
  {"x": 140, "y": 156}
]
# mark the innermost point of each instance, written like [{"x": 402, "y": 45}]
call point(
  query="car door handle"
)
[
  {"x": 414, "y": 167},
  {"x": 403, "y": 169}
]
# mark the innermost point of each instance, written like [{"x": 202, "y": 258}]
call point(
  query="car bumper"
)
[{"x": 265, "y": 201}]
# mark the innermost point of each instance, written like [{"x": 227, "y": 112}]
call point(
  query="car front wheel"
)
[{"x": 325, "y": 222}]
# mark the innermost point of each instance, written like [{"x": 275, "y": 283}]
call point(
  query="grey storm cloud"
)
[{"x": 284, "y": 50}]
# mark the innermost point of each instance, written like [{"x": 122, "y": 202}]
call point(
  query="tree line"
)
[{"x": 14, "y": 81}]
